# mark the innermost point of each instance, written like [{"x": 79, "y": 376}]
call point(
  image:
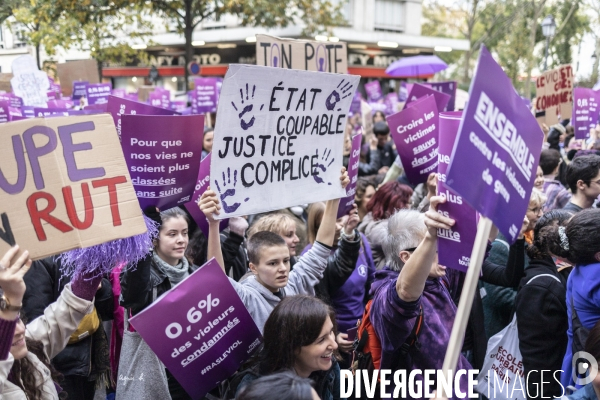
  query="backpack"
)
[{"x": 367, "y": 347}]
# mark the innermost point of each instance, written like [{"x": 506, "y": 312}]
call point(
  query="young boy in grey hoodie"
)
[{"x": 270, "y": 260}]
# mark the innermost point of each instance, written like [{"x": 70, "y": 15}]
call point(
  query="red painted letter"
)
[
  {"x": 112, "y": 183},
  {"x": 38, "y": 215},
  {"x": 87, "y": 205}
]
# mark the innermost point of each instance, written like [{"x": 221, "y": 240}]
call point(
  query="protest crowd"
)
[{"x": 349, "y": 270}]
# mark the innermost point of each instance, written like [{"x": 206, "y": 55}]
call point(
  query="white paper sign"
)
[
  {"x": 279, "y": 138},
  {"x": 29, "y": 82}
]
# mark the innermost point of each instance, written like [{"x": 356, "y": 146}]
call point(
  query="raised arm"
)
[
  {"x": 326, "y": 231},
  {"x": 209, "y": 205},
  {"x": 412, "y": 278}
]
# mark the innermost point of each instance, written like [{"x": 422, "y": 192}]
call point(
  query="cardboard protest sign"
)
[
  {"x": 454, "y": 245},
  {"x": 144, "y": 91},
  {"x": 585, "y": 111},
  {"x": 495, "y": 157},
  {"x": 201, "y": 184},
  {"x": 347, "y": 202},
  {"x": 163, "y": 157},
  {"x": 278, "y": 138},
  {"x": 307, "y": 55},
  {"x": 80, "y": 70},
  {"x": 204, "y": 96},
  {"x": 29, "y": 82},
  {"x": 79, "y": 90},
  {"x": 98, "y": 93},
  {"x": 200, "y": 330},
  {"x": 118, "y": 106},
  {"x": 63, "y": 185},
  {"x": 373, "y": 90},
  {"x": 5, "y": 82},
  {"x": 414, "y": 131},
  {"x": 418, "y": 91},
  {"x": 448, "y": 88},
  {"x": 554, "y": 94}
]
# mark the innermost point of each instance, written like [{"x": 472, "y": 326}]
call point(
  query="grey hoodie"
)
[{"x": 307, "y": 272}]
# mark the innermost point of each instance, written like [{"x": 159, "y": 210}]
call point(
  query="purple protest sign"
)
[
  {"x": 9, "y": 113},
  {"x": 347, "y": 202},
  {"x": 4, "y": 114},
  {"x": 79, "y": 89},
  {"x": 119, "y": 92},
  {"x": 178, "y": 105},
  {"x": 418, "y": 91},
  {"x": 448, "y": 88},
  {"x": 201, "y": 184},
  {"x": 204, "y": 96},
  {"x": 200, "y": 330},
  {"x": 163, "y": 157},
  {"x": 403, "y": 92},
  {"x": 60, "y": 103},
  {"x": 373, "y": 90},
  {"x": 118, "y": 106},
  {"x": 585, "y": 111},
  {"x": 454, "y": 245},
  {"x": 98, "y": 93},
  {"x": 495, "y": 157},
  {"x": 355, "y": 105},
  {"x": 415, "y": 132},
  {"x": 391, "y": 103},
  {"x": 50, "y": 112},
  {"x": 28, "y": 111},
  {"x": 13, "y": 101},
  {"x": 160, "y": 98}
]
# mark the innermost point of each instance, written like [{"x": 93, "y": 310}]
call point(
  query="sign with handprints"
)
[{"x": 279, "y": 138}]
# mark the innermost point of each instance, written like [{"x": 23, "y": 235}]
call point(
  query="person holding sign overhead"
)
[{"x": 270, "y": 260}]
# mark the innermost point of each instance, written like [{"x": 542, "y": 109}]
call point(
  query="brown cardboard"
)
[
  {"x": 554, "y": 94},
  {"x": 5, "y": 82},
  {"x": 80, "y": 70},
  {"x": 96, "y": 147},
  {"x": 367, "y": 119},
  {"x": 144, "y": 91},
  {"x": 302, "y": 54}
]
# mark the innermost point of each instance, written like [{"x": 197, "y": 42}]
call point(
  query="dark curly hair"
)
[
  {"x": 583, "y": 238},
  {"x": 545, "y": 241},
  {"x": 388, "y": 199},
  {"x": 25, "y": 375}
]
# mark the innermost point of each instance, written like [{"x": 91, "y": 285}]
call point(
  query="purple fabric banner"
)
[
  {"x": 118, "y": 106},
  {"x": 373, "y": 90},
  {"x": 201, "y": 184},
  {"x": 163, "y": 157},
  {"x": 204, "y": 96},
  {"x": 448, "y": 88},
  {"x": 454, "y": 245},
  {"x": 347, "y": 202},
  {"x": 495, "y": 157},
  {"x": 200, "y": 330},
  {"x": 415, "y": 132},
  {"x": 418, "y": 91},
  {"x": 98, "y": 93},
  {"x": 79, "y": 89},
  {"x": 585, "y": 111}
]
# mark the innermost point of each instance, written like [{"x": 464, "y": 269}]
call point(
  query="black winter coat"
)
[
  {"x": 542, "y": 324},
  {"x": 340, "y": 265},
  {"x": 44, "y": 285}
]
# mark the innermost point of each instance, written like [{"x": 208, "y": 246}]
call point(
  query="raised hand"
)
[
  {"x": 435, "y": 220},
  {"x": 12, "y": 271},
  {"x": 209, "y": 205}
]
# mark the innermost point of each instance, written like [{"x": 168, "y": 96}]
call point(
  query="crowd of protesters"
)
[{"x": 306, "y": 277}]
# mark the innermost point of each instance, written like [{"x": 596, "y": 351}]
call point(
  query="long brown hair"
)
[
  {"x": 25, "y": 375},
  {"x": 295, "y": 322}
]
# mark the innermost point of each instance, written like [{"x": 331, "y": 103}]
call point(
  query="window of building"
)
[{"x": 389, "y": 15}]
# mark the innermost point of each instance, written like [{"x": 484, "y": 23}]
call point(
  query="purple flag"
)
[
  {"x": 448, "y": 88},
  {"x": 163, "y": 157},
  {"x": 454, "y": 245},
  {"x": 79, "y": 89},
  {"x": 201, "y": 184},
  {"x": 347, "y": 202},
  {"x": 495, "y": 157},
  {"x": 415, "y": 132},
  {"x": 585, "y": 111},
  {"x": 98, "y": 93},
  {"x": 204, "y": 96},
  {"x": 418, "y": 91},
  {"x": 373, "y": 90},
  {"x": 118, "y": 106},
  {"x": 200, "y": 330}
]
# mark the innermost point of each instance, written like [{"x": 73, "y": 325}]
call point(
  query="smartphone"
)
[{"x": 352, "y": 333}]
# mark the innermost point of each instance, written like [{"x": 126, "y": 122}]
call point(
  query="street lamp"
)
[{"x": 548, "y": 30}]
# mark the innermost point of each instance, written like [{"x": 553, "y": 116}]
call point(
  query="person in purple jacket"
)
[{"x": 413, "y": 280}]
